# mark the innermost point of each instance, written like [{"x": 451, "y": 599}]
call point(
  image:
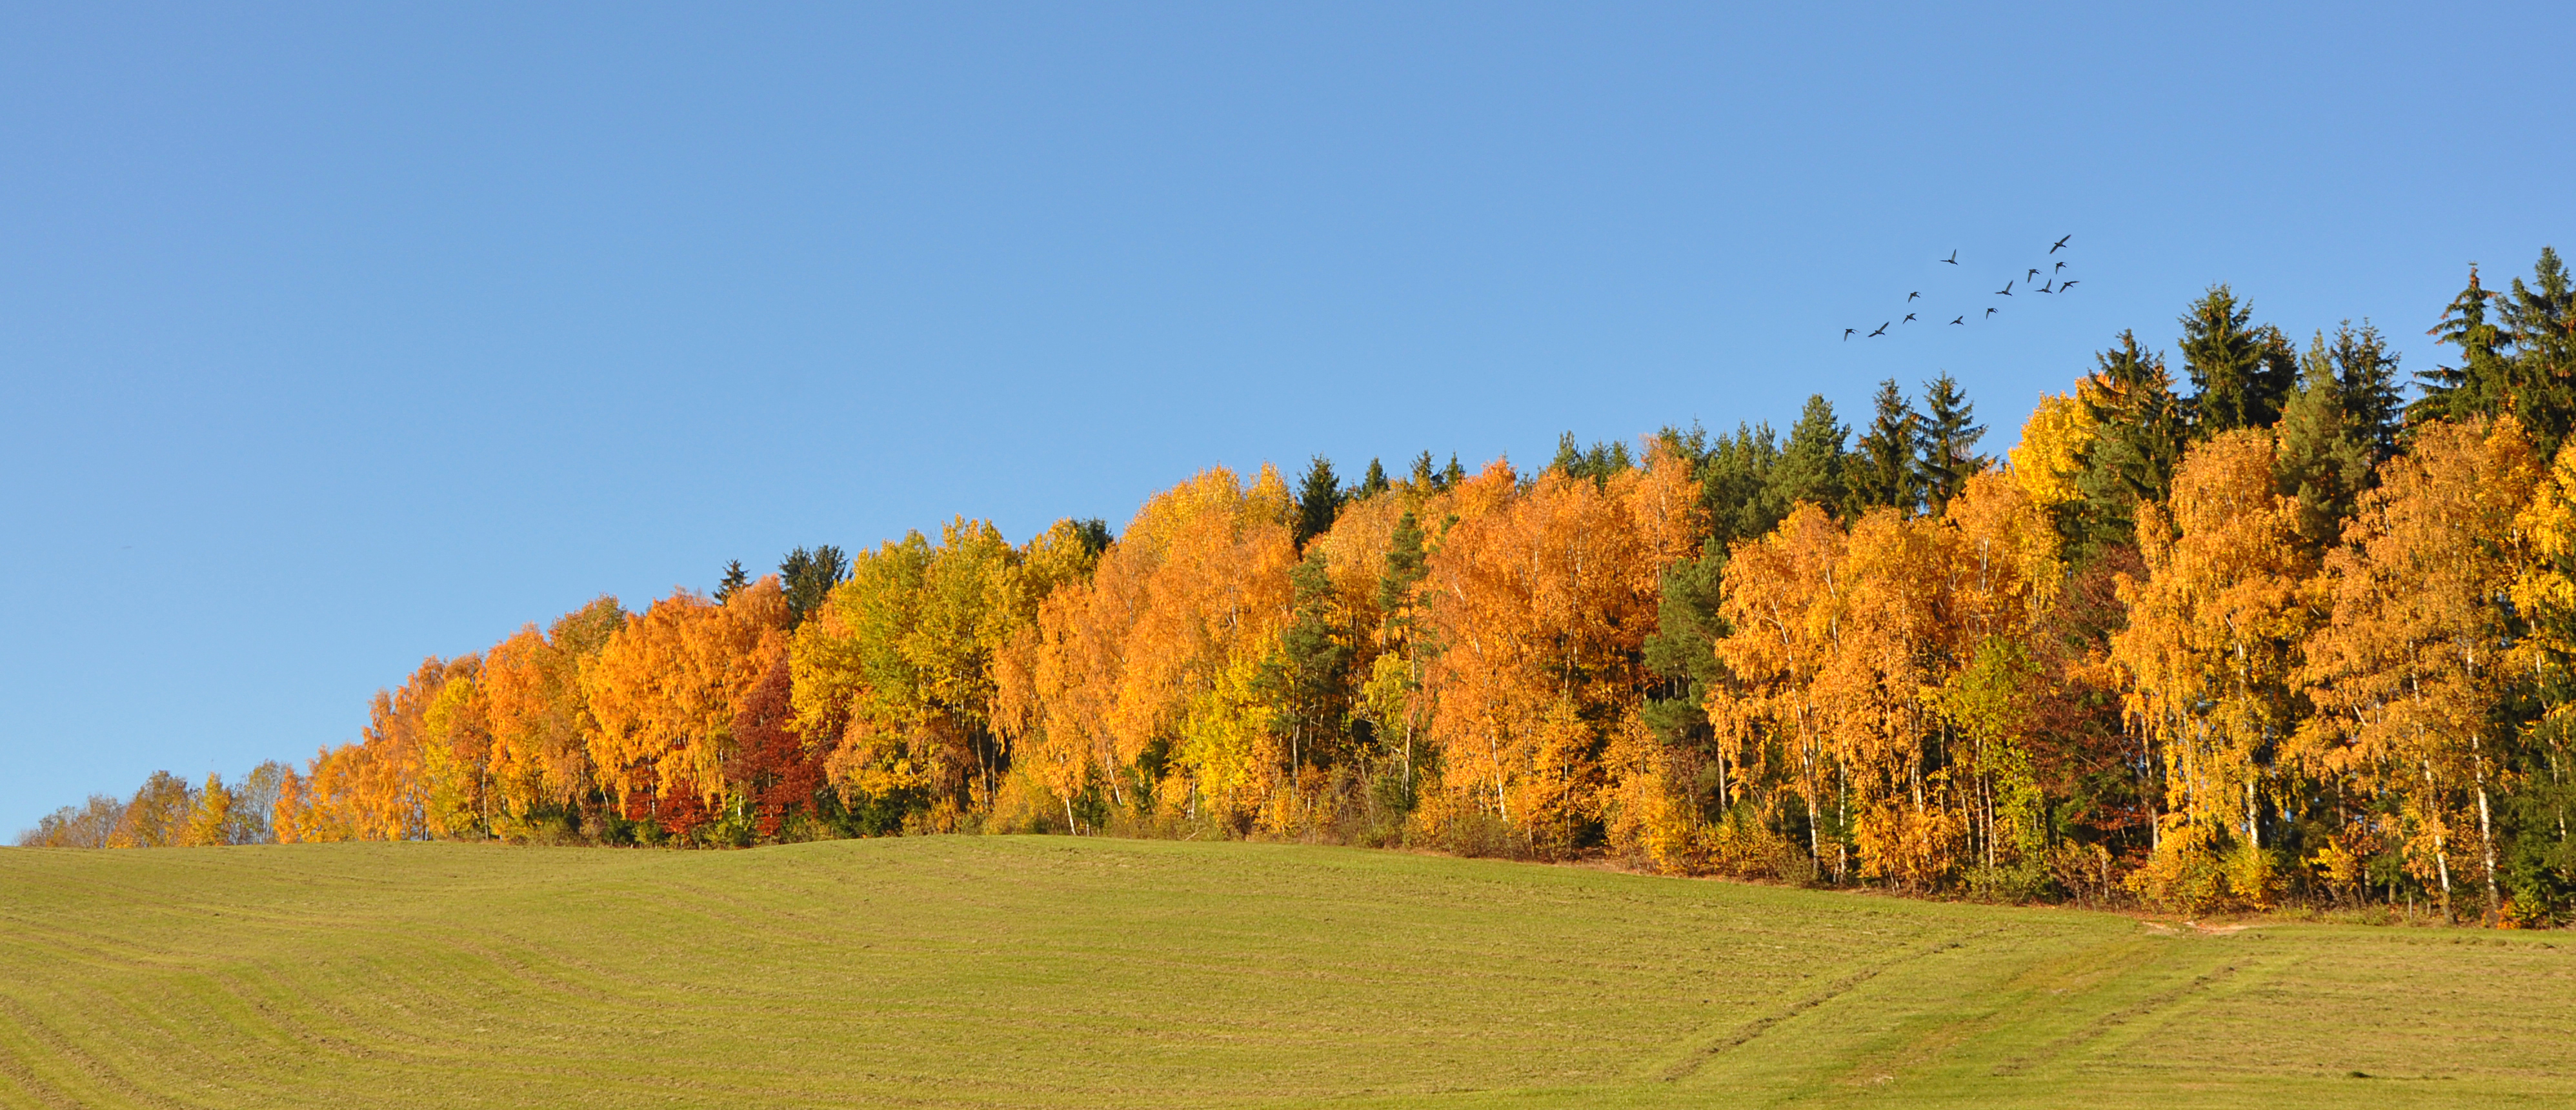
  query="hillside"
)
[{"x": 1057, "y": 971}]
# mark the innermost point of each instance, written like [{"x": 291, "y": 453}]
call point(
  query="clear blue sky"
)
[{"x": 336, "y": 337}]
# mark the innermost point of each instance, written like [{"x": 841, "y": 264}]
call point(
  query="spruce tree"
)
[
  {"x": 807, "y": 577},
  {"x": 2325, "y": 455},
  {"x": 1735, "y": 485},
  {"x": 1425, "y": 478},
  {"x": 1405, "y": 563},
  {"x": 1319, "y": 500},
  {"x": 2540, "y": 324},
  {"x": 1947, "y": 442},
  {"x": 1455, "y": 474},
  {"x": 2239, "y": 374},
  {"x": 1375, "y": 482},
  {"x": 2365, "y": 373},
  {"x": 1309, "y": 680},
  {"x": 2140, "y": 430},
  {"x": 2481, "y": 385},
  {"x": 1882, "y": 470},
  {"x": 734, "y": 579},
  {"x": 1811, "y": 465}
]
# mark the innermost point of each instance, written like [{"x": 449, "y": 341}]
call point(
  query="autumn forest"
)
[{"x": 2248, "y": 622}]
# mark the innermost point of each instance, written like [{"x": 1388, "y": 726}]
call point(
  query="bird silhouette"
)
[
  {"x": 2046, "y": 289},
  {"x": 2061, "y": 264},
  {"x": 1847, "y": 334},
  {"x": 1909, "y": 318},
  {"x": 2069, "y": 285},
  {"x": 1953, "y": 259},
  {"x": 1882, "y": 330},
  {"x": 2034, "y": 272},
  {"x": 2006, "y": 291},
  {"x": 1959, "y": 320},
  {"x": 1990, "y": 312},
  {"x": 2052, "y": 248},
  {"x": 1909, "y": 298}
]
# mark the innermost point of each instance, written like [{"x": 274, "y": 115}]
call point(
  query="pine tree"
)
[
  {"x": 1735, "y": 480},
  {"x": 1319, "y": 501},
  {"x": 2239, "y": 374},
  {"x": 1947, "y": 443},
  {"x": 1883, "y": 470},
  {"x": 808, "y": 578},
  {"x": 734, "y": 579},
  {"x": 1455, "y": 474},
  {"x": 1309, "y": 681},
  {"x": 1811, "y": 465},
  {"x": 1404, "y": 565},
  {"x": 1426, "y": 478}
]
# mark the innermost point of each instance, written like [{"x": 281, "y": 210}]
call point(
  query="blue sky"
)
[{"x": 334, "y": 337}]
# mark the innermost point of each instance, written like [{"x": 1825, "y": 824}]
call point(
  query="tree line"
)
[{"x": 2270, "y": 632}]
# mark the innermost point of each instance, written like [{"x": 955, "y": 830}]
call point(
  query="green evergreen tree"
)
[
  {"x": 1375, "y": 482},
  {"x": 2365, "y": 373},
  {"x": 1405, "y": 564},
  {"x": 2481, "y": 385},
  {"x": 1947, "y": 440},
  {"x": 2239, "y": 374},
  {"x": 1682, "y": 651},
  {"x": 2140, "y": 429},
  {"x": 1319, "y": 500},
  {"x": 1455, "y": 474},
  {"x": 1309, "y": 680},
  {"x": 1735, "y": 485},
  {"x": 1882, "y": 470},
  {"x": 807, "y": 577},
  {"x": 1811, "y": 465},
  {"x": 2540, "y": 324},
  {"x": 2326, "y": 455},
  {"x": 1598, "y": 464},
  {"x": 1426, "y": 478},
  {"x": 734, "y": 579}
]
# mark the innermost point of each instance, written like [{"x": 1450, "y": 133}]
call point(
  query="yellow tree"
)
[
  {"x": 2214, "y": 629},
  {"x": 539, "y": 720},
  {"x": 1783, "y": 601},
  {"x": 2050, "y": 456},
  {"x": 1134, "y": 659},
  {"x": 2409, "y": 675},
  {"x": 1541, "y": 601},
  {"x": 665, "y": 691}
]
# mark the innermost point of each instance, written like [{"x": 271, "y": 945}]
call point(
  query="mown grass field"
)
[{"x": 1011, "y": 971}]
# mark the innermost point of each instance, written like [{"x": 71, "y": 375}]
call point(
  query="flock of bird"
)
[{"x": 2052, "y": 285}]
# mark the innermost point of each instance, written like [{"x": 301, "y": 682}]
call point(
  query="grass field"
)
[{"x": 1050, "y": 971}]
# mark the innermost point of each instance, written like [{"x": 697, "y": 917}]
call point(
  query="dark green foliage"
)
[
  {"x": 1682, "y": 650},
  {"x": 1093, "y": 533},
  {"x": 1881, "y": 471},
  {"x": 1811, "y": 465},
  {"x": 2481, "y": 384},
  {"x": 2326, "y": 455},
  {"x": 1598, "y": 464},
  {"x": 734, "y": 579},
  {"x": 1405, "y": 565},
  {"x": 1309, "y": 681},
  {"x": 2137, "y": 444},
  {"x": 2540, "y": 323},
  {"x": 1319, "y": 500},
  {"x": 1454, "y": 475},
  {"x": 2239, "y": 374},
  {"x": 808, "y": 578},
  {"x": 1375, "y": 483},
  {"x": 1947, "y": 439}
]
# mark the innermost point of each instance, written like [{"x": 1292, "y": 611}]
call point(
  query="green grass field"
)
[{"x": 1050, "y": 971}]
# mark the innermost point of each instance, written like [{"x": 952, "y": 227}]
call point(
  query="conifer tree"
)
[
  {"x": 1426, "y": 477},
  {"x": 1375, "y": 482},
  {"x": 2481, "y": 385},
  {"x": 2138, "y": 441},
  {"x": 1736, "y": 492},
  {"x": 2540, "y": 323},
  {"x": 1882, "y": 470},
  {"x": 1309, "y": 681},
  {"x": 2239, "y": 373},
  {"x": 1455, "y": 473},
  {"x": 1811, "y": 464},
  {"x": 734, "y": 579},
  {"x": 2325, "y": 456},
  {"x": 1319, "y": 500},
  {"x": 1947, "y": 442},
  {"x": 807, "y": 577}
]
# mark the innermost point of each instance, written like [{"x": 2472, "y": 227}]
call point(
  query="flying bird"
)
[
  {"x": 2065, "y": 287},
  {"x": 1909, "y": 298},
  {"x": 1959, "y": 320},
  {"x": 1909, "y": 318},
  {"x": 2046, "y": 289},
  {"x": 1847, "y": 333},
  {"x": 2052, "y": 249},
  {"x": 2061, "y": 264},
  {"x": 1990, "y": 312},
  {"x": 1953, "y": 259},
  {"x": 1882, "y": 330},
  {"x": 2034, "y": 272},
  {"x": 2006, "y": 291}
]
